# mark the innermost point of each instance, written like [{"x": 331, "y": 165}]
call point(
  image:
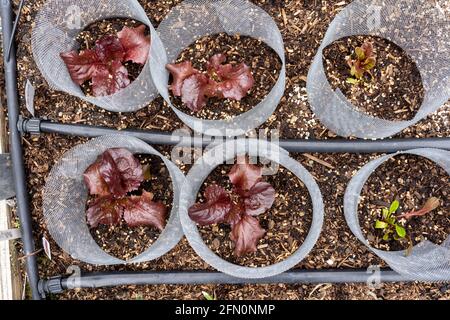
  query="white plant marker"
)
[{"x": 47, "y": 247}]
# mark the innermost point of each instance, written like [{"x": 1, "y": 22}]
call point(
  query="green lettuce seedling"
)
[
  {"x": 388, "y": 224},
  {"x": 209, "y": 297}
]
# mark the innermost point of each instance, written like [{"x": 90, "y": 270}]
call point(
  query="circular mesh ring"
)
[
  {"x": 419, "y": 28},
  {"x": 192, "y": 20},
  {"x": 227, "y": 152},
  {"x": 65, "y": 196},
  {"x": 58, "y": 24},
  {"x": 427, "y": 261}
]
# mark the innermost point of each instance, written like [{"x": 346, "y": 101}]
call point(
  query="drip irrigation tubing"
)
[
  {"x": 96, "y": 280},
  {"x": 37, "y": 126}
]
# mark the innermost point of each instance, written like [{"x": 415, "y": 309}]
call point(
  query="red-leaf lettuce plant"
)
[
  {"x": 249, "y": 198},
  {"x": 111, "y": 178},
  {"x": 361, "y": 62},
  {"x": 104, "y": 63},
  {"x": 224, "y": 81}
]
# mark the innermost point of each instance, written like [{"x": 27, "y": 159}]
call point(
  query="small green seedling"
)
[
  {"x": 389, "y": 225},
  {"x": 208, "y": 296},
  {"x": 362, "y": 61}
]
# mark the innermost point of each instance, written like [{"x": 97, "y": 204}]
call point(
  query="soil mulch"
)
[
  {"x": 125, "y": 242},
  {"x": 287, "y": 223},
  {"x": 412, "y": 180},
  {"x": 262, "y": 60},
  {"x": 394, "y": 93},
  {"x": 93, "y": 32},
  {"x": 303, "y": 25}
]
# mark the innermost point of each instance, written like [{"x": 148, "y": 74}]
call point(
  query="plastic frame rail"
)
[{"x": 40, "y": 288}]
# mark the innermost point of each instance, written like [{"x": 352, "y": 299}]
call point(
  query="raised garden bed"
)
[{"x": 337, "y": 248}]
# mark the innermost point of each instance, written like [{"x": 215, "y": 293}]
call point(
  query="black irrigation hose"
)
[
  {"x": 23, "y": 209},
  {"x": 96, "y": 280},
  {"x": 37, "y": 126}
]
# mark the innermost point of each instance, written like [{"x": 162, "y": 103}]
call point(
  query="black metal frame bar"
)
[
  {"x": 23, "y": 207},
  {"x": 41, "y": 287}
]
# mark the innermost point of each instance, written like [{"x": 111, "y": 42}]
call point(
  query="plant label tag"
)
[
  {"x": 29, "y": 97},
  {"x": 10, "y": 234},
  {"x": 47, "y": 248}
]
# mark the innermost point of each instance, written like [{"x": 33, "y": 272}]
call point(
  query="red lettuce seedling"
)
[
  {"x": 115, "y": 172},
  {"x": 234, "y": 81},
  {"x": 135, "y": 43},
  {"x": 216, "y": 208},
  {"x": 390, "y": 227},
  {"x": 250, "y": 197},
  {"x": 361, "y": 62},
  {"x": 196, "y": 90},
  {"x": 112, "y": 177},
  {"x": 246, "y": 234},
  {"x": 431, "y": 204},
  {"x": 105, "y": 210},
  {"x": 104, "y": 64},
  {"x": 224, "y": 81},
  {"x": 141, "y": 211},
  {"x": 180, "y": 72},
  {"x": 244, "y": 175}
]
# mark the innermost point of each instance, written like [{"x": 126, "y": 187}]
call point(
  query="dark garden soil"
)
[
  {"x": 303, "y": 25},
  {"x": 287, "y": 223},
  {"x": 394, "y": 93},
  {"x": 95, "y": 31},
  {"x": 262, "y": 60},
  {"x": 125, "y": 242},
  {"x": 412, "y": 180}
]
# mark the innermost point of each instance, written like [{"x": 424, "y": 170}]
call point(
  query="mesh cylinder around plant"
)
[
  {"x": 419, "y": 28},
  {"x": 59, "y": 22},
  {"x": 226, "y": 153},
  {"x": 65, "y": 196},
  {"x": 427, "y": 261},
  {"x": 194, "y": 19}
]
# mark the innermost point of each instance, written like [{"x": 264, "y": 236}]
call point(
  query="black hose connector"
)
[
  {"x": 31, "y": 126},
  {"x": 50, "y": 286}
]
